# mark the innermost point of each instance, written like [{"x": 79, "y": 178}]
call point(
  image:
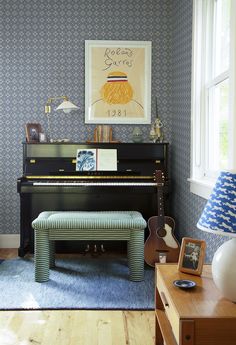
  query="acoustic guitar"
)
[{"x": 161, "y": 237}]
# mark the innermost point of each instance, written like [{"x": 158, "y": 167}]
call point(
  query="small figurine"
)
[
  {"x": 156, "y": 134},
  {"x": 158, "y": 125},
  {"x": 152, "y": 134}
]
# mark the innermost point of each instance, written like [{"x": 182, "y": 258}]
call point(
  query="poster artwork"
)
[{"x": 118, "y": 84}]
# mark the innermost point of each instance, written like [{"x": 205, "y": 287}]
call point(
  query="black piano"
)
[{"x": 50, "y": 182}]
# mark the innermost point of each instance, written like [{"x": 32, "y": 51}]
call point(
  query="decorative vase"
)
[{"x": 137, "y": 135}]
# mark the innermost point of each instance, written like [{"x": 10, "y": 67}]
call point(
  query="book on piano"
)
[{"x": 96, "y": 160}]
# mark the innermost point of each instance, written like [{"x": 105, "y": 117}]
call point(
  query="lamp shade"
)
[
  {"x": 219, "y": 214},
  {"x": 219, "y": 217},
  {"x": 67, "y": 106}
]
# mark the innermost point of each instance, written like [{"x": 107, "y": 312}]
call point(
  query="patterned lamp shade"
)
[{"x": 219, "y": 214}]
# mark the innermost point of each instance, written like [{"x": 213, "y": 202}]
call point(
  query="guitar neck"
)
[{"x": 160, "y": 207}]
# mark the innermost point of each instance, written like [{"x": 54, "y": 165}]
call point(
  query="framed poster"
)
[{"x": 118, "y": 82}]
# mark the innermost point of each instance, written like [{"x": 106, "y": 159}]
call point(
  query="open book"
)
[{"x": 96, "y": 159}]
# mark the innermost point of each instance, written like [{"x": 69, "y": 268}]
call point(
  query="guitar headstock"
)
[{"x": 159, "y": 178}]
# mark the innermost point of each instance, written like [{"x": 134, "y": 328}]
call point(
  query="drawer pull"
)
[{"x": 163, "y": 297}]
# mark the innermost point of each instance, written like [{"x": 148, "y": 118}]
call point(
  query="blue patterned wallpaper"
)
[
  {"x": 187, "y": 207},
  {"x": 42, "y": 55}
]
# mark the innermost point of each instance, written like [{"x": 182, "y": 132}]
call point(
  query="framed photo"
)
[
  {"x": 192, "y": 254},
  {"x": 118, "y": 82},
  {"x": 32, "y": 132}
]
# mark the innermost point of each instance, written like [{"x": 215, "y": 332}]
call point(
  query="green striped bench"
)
[{"x": 89, "y": 225}]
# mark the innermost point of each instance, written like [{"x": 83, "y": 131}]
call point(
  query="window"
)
[{"x": 213, "y": 92}]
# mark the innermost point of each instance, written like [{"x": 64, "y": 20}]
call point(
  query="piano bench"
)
[{"x": 88, "y": 225}]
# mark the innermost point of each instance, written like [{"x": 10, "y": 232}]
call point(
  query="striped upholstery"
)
[{"x": 91, "y": 225}]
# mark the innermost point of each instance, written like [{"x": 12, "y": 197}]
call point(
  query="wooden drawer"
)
[
  {"x": 170, "y": 310},
  {"x": 165, "y": 334},
  {"x": 199, "y": 316}
]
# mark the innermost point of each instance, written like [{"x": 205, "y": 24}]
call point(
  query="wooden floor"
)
[{"x": 74, "y": 327}]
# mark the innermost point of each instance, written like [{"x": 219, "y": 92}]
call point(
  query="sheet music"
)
[
  {"x": 107, "y": 159},
  {"x": 96, "y": 159}
]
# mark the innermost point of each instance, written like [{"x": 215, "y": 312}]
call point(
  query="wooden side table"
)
[{"x": 197, "y": 316}]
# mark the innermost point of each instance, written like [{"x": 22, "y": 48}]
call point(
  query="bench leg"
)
[
  {"x": 51, "y": 254},
  {"x": 136, "y": 255},
  {"x": 41, "y": 255}
]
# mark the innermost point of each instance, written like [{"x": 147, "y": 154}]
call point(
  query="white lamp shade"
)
[{"x": 67, "y": 107}]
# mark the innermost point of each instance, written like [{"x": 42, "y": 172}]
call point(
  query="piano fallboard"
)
[
  {"x": 49, "y": 182},
  {"x": 45, "y": 158}
]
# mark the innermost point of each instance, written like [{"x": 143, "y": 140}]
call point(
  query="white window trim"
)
[
  {"x": 199, "y": 184},
  {"x": 201, "y": 187},
  {"x": 232, "y": 80}
]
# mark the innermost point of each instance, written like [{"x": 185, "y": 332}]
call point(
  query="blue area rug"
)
[{"x": 80, "y": 282}]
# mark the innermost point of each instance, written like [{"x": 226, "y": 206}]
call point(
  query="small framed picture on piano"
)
[{"x": 32, "y": 132}]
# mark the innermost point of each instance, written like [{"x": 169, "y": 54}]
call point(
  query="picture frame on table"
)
[
  {"x": 33, "y": 131},
  {"x": 117, "y": 82},
  {"x": 192, "y": 255}
]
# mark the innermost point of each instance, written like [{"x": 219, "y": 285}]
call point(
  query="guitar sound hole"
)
[{"x": 161, "y": 232}]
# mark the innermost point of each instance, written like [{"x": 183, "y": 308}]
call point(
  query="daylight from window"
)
[{"x": 217, "y": 114}]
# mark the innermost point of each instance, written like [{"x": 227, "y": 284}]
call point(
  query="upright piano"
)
[{"x": 50, "y": 182}]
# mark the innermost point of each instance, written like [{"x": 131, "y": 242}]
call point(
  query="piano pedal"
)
[
  {"x": 103, "y": 250},
  {"x": 95, "y": 251},
  {"x": 87, "y": 249}
]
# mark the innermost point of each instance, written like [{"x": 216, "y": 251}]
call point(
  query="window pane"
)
[
  {"x": 221, "y": 36},
  {"x": 218, "y": 127}
]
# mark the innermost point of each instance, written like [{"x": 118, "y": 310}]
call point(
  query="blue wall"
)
[
  {"x": 186, "y": 207},
  {"x": 42, "y": 55}
]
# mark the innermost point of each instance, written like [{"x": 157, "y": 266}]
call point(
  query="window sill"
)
[{"x": 202, "y": 188}]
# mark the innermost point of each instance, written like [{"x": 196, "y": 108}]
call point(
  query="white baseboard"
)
[{"x": 9, "y": 241}]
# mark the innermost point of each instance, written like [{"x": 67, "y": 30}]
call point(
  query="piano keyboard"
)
[{"x": 91, "y": 184}]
